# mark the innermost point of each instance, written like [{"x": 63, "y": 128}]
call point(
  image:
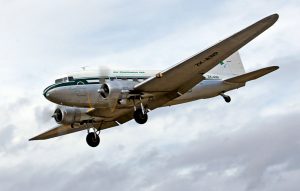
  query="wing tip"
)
[
  {"x": 273, "y": 68},
  {"x": 34, "y": 139},
  {"x": 273, "y": 18}
]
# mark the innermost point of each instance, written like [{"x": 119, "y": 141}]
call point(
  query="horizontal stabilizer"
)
[{"x": 252, "y": 75}]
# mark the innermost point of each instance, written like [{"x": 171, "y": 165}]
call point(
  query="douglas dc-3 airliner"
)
[{"x": 96, "y": 100}]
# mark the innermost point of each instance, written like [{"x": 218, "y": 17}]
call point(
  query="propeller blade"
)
[{"x": 104, "y": 72}]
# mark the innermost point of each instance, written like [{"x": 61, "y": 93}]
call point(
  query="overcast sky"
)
[{"x": 251, "y": 143}]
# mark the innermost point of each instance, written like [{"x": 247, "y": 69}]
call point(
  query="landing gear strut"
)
[{"x": 226, "y": 97}]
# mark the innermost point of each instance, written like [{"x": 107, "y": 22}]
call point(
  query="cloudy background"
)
[{"x": 253, "y": 143}]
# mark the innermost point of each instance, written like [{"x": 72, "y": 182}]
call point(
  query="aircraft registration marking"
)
[
  {"x": 212, "y": 77},
  {"x": 207, "y": 58}
]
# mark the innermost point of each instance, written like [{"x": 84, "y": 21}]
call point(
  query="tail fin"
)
[{"x": 231, "y": 66}]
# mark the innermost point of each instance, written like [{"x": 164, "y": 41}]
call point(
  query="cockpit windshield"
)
[{"x": 65, "y": 79}]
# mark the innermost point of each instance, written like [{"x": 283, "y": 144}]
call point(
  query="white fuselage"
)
[{"x": 81, "y": 89}]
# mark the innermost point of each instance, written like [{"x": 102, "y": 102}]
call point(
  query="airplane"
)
[{"x": 96, "y": 100}]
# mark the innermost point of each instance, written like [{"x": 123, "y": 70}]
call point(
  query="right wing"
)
[{"x": 185, "y": 75}]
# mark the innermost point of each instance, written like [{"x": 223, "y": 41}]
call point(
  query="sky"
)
[{"x": 250, "y": 144}]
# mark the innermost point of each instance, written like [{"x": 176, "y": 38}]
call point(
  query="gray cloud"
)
[
  {"x": 6, "y": 135},
  {"x": 257, "y": 154},
  {"x": 43, "y": 114}
]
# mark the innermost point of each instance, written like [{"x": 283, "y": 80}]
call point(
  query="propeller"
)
[
  {"x": 105, "y": 72},
  {"x": 57, "y": 115}
]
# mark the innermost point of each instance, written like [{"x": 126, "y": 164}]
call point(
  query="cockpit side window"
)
[
  {"x": 70, "y": 78},
  {"x": 65, "y": 79},
  {"x": 60, "y": 80}
]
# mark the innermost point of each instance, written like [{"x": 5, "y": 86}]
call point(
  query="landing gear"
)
[
  {"x": 140, "y": 116},
  {"x": 226, "y": 97},
  {"x": 93, "y": 139}
]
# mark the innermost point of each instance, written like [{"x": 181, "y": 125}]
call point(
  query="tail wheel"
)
[
  {"x": 227, "y": 99},
  {"x": 140, "y": 117},
  {"x": 93, "y": 139}
]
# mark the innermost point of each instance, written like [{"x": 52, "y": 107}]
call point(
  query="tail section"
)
[{"x": 231, "y": 66}]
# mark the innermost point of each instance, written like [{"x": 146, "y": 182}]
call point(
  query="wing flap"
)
[
  {"x": 183, "y": 73},
  {"x": 252, "y": 75}
]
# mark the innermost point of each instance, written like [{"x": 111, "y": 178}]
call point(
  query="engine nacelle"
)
[
  {"x": 116, "y": 89},
  {"x": 70, "y": 115}
]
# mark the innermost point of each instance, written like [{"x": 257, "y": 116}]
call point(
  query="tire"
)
[
  {"x": 227, "y": 99},
  {"x": 92, "y": 140},
  {"x": 140, "y": 117}
]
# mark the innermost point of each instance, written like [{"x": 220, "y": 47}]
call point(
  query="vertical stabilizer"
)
[{"x": 231, "y": 66}]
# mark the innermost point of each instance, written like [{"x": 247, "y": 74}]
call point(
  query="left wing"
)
[{"x": 67, "y": 129}]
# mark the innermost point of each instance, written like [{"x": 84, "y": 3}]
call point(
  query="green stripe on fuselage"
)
[
  {"x": 71, "y": 83},
  {"x": 84, "y": 81}
]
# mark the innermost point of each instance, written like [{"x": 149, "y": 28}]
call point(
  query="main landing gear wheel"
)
[
  {"x": 93, "y": 139},
  {"x": 140, "y": 117},
  {"x": 226, "y": 97}
]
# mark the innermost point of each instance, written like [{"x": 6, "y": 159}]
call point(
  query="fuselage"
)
[{"x": 81, "y": 89}]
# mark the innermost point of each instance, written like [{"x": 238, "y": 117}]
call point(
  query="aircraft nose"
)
[
  {"x": 47, "y": 94},
  {"x": 50, "y": 94}
]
